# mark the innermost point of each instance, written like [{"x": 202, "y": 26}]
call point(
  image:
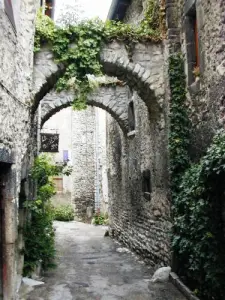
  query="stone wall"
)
[
  {"x": 89, "y": 178},
  {"x": 139, "y": 218},
  {"x": 101, "y": 179},
  {"x": 206, "y": 93},
  {"x": 83, "y": 152},
  {"x": 137, "y": 162},
  {"x": 16, "y": 63}
]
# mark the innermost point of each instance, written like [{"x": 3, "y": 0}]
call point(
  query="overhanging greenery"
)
[{"x": 78, "y": 47}]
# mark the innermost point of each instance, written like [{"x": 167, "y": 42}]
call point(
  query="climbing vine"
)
[
  {"x": 197, "y": 198},
  {"x": 179, "y": 122},
  {"x": 78, "y": 47},
  {"x": 38, "y": 230},
  {"x": 199, "y": 240}
]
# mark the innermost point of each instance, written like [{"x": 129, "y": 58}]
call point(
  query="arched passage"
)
[
  {"x": 145, "y": 76},
  {"x": 129, "y": 157},
  {"x": 111, "y": 99}
]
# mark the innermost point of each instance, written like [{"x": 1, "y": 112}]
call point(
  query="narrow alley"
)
[
  {"x": 112, "y": 113},
  {"x": 90, "y": 267}
]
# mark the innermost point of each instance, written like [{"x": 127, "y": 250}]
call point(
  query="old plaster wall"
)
[
  {"x": 16, "y": 63},
  {"x": 206, "y": 94}
]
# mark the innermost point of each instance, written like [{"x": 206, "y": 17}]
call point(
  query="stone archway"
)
[
  {"x": 112, "y": 99},
  {"x": 142, "y": 68},
  {"x": 142, "y": 71}
]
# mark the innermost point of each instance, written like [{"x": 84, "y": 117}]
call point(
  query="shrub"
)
[
  {"x": 38, "y": 230},
  {"x": 64, "y": 213},
  {"x": 198, "y": 239},
  {"x": 100, "y": 218}
]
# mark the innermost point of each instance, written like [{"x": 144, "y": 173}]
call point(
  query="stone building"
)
[
  {"x": 16, "y": 71},
  {"x": 137, "y": 126},
  {"x": 195, "y": 28}
]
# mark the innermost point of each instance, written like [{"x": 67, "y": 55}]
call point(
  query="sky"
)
[{"x": 92, "y": 8}]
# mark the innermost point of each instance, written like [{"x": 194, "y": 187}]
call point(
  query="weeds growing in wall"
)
[
  {"x": 198, "y": 196},
  {"x": 78, "y": 47},
  {"x": 38, "y": 230}
]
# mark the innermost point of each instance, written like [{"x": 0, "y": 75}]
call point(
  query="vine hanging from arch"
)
[{"x": 78, "y": 47}]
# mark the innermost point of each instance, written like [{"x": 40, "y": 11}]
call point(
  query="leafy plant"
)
[
  {"x": 100, "y": 218},
  {"x": 198, "y": 224},
  {"x": 64, "y": 213},
  {"x": 197, "y": 195},
  {"x": 78, "y": 46},
  {"x": 180, "y": 125},
  {"x": 38, "y": 237},
  {"x": 38, "y": 230}
]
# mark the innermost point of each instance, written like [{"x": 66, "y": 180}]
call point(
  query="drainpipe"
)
[{"x": 97, "y": 194}]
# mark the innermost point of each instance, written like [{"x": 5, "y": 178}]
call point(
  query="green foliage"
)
[
  {"x": 64, "y": 213},
  {"x": 44, "y": 30},
  {"x": 179, "y": 138},
  {"x": 100, "y": 218},
  {"x": 38, "y": 230},
  {"x": 39, "y": 237},
  {"x": 198, "y": 225},
  {"x": 197, "y": 194},
  {"x": 77, "y": 47}
]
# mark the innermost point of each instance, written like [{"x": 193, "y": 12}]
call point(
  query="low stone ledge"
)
[{"x": 182, "y": 287}]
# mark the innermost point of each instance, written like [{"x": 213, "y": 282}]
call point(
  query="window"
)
[
  {"x": 131, "y": 116},
  {"x": 196, "y": 43},
  {"x": 192, "y": 41},
  {"x": 49, "y": 8},
  {"x": 65, "y": 155},
  {"x": 146, "y": 184},
  {"x": 22, "y": 194},
  {"x": 58, "y": 182}
]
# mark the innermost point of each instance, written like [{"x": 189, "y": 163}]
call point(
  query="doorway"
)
[{"x": 4, "y": 168}]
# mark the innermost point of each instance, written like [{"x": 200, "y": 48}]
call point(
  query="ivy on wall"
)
[
  {"x": 197, "y": 198},
  {"x": 78, "y": 47},
  {"x": 179, "y": 138},
  {"x": 199, "y": 237}
]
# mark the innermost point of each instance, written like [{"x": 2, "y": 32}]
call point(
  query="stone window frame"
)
[{"x": 191, "y": 30}]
